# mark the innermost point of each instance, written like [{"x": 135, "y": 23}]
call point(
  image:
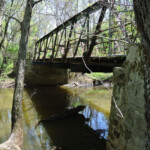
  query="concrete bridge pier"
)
[
  {"x": 45, "y": 75},
  {"x": 132, "y": 95}
]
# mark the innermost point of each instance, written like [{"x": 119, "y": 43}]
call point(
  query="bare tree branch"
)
[
  {"x": 5, "y": 33},
  {"x": 36, "y": 2},
  {"x": 11, "y": 17}
]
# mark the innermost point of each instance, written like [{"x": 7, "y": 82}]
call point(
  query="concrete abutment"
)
[
  {"x": 45, "y": 75},
  {"x": 132, "y": 94}
]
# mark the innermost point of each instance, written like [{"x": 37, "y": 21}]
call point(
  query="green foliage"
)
[
  {"x": 1, "y": 59},
  {"x": 76, "y": 104},
  {"x": 8, "y": 68},
  {"x": 102, "y": 76},
  {"x": 12, "y": 50},
  {"x": 8, "y": 57}
]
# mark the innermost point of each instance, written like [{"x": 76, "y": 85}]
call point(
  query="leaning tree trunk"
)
[{"x": 16, "y": 138}]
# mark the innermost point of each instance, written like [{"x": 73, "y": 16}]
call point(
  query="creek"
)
[{"x": 86, "y": 131}]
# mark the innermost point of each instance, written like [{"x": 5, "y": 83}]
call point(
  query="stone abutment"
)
[{"x": 132, "y": 95}]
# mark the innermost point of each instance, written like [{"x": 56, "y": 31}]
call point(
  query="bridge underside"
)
[{"x": 96, "y": 64}]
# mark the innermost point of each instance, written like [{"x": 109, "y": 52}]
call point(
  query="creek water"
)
[{"x": 86, "y": 131}]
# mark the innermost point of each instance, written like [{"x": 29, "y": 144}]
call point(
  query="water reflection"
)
[
  {"x": 82, "y": 132},
  {"x": 73, "y": 134},
  {"x": 97, "y": 121},
  {"x": 5, "y": 113}
]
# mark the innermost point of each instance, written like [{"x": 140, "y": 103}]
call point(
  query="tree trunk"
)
[
  {"x": 2, "y": 2},
  {"x": 16, "y": 138},
  {"x": 2, "y": 65},
  {"x": 142, "y": 16}
]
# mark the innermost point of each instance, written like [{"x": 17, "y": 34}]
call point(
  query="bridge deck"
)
[{"x": 95, "y": 64}]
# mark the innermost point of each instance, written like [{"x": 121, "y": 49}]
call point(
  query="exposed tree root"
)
[
  {"x": 14, "y": 142},
  {"x": 10, "y": 145}
]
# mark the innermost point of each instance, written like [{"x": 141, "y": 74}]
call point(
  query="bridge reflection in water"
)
[{"x": 82, "y": 132}]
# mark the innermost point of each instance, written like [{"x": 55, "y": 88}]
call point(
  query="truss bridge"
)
[{"x": 94, "y": 40}]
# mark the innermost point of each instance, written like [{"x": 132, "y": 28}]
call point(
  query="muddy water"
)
[{"x": 87, "y": 131}]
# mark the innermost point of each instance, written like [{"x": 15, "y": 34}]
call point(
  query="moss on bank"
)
[{"x": 100, "y": 75}]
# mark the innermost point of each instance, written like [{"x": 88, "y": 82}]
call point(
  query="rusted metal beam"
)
[
  {"x": 93, "y": 42},
  {"x": 45, "y": 49},
  {"x": 35, "y": 52},
  {"x": 96, "y": 6},
  {"x": 68, "y": 43},
  {"x": 49, "y": 44},
  {"x": 83, "y": 26},
  {"x": 40, "y": 49},
  {"x": 59, "y": 43},
  {"x": 54, "y": 46},
  {"x": 104, "y": 64},
  {"x": 88, "y": 30}
]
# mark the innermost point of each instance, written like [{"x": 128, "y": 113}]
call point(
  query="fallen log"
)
[{"x": 63, "y": 115}]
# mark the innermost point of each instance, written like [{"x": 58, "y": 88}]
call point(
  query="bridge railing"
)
[{"x": 96, "y": 31}]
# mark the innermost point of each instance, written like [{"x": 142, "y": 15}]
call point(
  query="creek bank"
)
[
  {"x": 84, "y": 80},
  {"x": 75, "y": 80},
  {"x": 7, "y": 84}
]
